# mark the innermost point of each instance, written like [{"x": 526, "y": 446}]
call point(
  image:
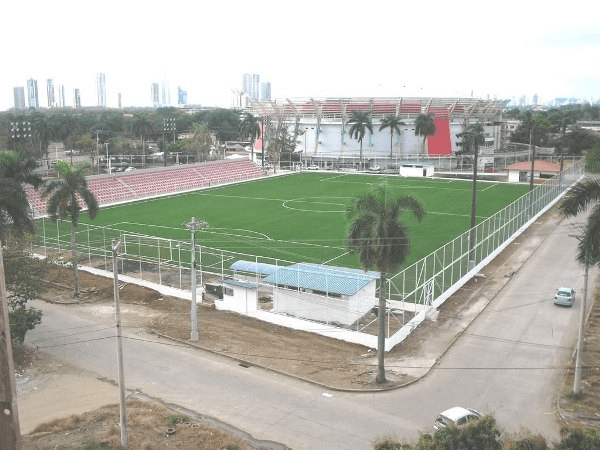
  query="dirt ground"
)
[{"x": 321, "y": 360}]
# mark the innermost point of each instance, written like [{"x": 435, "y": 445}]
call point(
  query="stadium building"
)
[{"x": 322, "y": 128}]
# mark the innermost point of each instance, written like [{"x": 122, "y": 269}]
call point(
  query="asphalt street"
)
[{"x": 508, "y": 362}]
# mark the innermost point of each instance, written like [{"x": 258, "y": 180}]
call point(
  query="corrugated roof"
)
[
  {"x": 254, "y": 267},
  {"x": 338, "y": 280},
  {"x": 542, "y": 166}
]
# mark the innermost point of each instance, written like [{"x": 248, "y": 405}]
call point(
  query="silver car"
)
[
  {"x": 456, "y": 416},
  {"x": 564, "y": 296}
]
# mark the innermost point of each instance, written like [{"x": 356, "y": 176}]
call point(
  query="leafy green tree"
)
[
  {"x": 15, "y": 217},
  {"x": 381, "y": 241},
  {"x": 225, "y": 123},
  {"x": 360, "y": 122},
  {"x": 200, "y": 143},
  {"x": 394, "y": 123},
  {"x": 23, "y": 274},
  {"x": 591, "y": 160},
  {"x": 424, "y": 127},
  {"x": 579, "y": 439},
  {"x": 62, "y": 194},
  {"x": 251, "y": 129}
]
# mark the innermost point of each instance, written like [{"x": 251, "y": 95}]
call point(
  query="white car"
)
[
  {"x": 312, "y": 167},
  {"x": 129, "y": 169},
  {"x": 456, "y": 416}
]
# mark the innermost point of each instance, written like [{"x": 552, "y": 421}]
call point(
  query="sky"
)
[{"x": 306, "y": 48}]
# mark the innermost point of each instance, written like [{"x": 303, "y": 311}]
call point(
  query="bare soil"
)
[{"x": 332, "y": 363}]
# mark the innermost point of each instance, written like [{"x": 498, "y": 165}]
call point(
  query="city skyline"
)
[{"x": 449, "y": 49}]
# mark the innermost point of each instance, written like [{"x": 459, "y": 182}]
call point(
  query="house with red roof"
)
[{"x": 521, "y": 171}]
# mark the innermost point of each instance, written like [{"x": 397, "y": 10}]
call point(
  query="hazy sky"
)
[{"x": 305, "y": 48}]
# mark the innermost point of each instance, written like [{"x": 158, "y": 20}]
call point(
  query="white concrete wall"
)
[
  {"x": 243, "y": 301},
  {"x": 306, "y": 305}
]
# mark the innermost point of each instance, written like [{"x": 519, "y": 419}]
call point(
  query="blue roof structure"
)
[
  {"x": 253, "y": 267},
  {"x": 319, "y": 277}
]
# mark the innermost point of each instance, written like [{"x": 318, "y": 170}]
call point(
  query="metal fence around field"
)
[{"x": 411, "y": 292}]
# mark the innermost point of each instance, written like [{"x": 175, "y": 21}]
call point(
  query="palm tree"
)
[
  {"x": 143, "y": 126},
  {"x": 472, "y": 138},
  {"x": 381, "y": 241},
  {"x": 251, "y": 129},
  {"x": 577, "y": 200},
  {"x": 62, "y": 194},
  {"x": 361, "y": 122},
  {"x": 16, "y": 216},
  {"x": 424, "y": 126},
  {"x": 393, "y": 123}
]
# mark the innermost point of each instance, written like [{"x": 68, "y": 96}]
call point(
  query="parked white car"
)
[{"x": 456, "y": 416}]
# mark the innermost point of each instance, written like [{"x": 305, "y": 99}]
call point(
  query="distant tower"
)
[
  {"x": 101, "y": 90},
  {"x": 181, "y": 96},
  {"x": 19, "y": 92},
  {"x": 155, "y": 92},
  {"x": 61, "y": 96},
  {"x": 76, "y": 99},
  {"x": 165, "y": 94},
  {"x": 265, "y": 91},
  {"x": 50, "y": 93},
  {"x": 119, "y": 100},
  {"x": 251, "y": 85},
  {"x": 32, "y": 94}
]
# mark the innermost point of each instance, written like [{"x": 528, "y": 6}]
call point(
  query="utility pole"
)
[
  {"x": 10, "y": 433},
  {"x": 578, "y": 358},
  {"x": 193, "y": 226},
  {"x": 122, "y": 399}
]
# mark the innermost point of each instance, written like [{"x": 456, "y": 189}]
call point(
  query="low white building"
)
[
  {"x": 416, "y": 169},
  {"x": 323, "y": 293},
  {"x": 238, "y": 296}
]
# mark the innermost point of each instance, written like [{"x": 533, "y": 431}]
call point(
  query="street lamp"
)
[
  {"x": 193, "y": 226},
  {"x": 169, "y": 125}
]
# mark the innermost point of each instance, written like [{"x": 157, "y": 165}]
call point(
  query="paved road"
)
[{"x": 508, "y": 363}]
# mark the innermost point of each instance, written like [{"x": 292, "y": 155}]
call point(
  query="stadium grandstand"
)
[
  {"x": 322, "y": 129},
  {"x": 117, "y": 188}
]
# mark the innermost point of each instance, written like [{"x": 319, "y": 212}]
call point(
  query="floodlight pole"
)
[
  {"x": 122, "y": 401},
  {"x": 193, "y": 226}
]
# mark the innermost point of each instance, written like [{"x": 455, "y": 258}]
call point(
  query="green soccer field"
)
[{"x": 300, "y": 217}]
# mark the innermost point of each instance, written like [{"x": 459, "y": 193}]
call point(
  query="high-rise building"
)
[
  {"x": 32, "y": 94},
  {"x": 119, "y": 100},
  {"x": 101, "y": 90},
  {"x": 165, "y": 94},
  {"x": 265, "y": 91},
  {"x": 76, "y": 99},
  {"x": 251, "y": 85},
  {"x": 50, "y": 93},
  {"x": 61, "y": 96},
  {"x": 19, "y": 93},
  {"x": 181, "y": 96},
  {"x": 155, "y": 92}
]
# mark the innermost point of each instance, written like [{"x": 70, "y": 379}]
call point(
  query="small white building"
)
[
  {"x": 238, "y": 296},
  {"x": 323, "y": 293},
  {"x": 416, "y": 169}
]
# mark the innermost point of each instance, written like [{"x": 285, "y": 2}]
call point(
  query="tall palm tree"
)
[
  {"x": 360, "y": 122},
  {"x": 381, "y": 241},
  {"x": 471, "y": 138},
  {"x": 424, "y": 126},
  {"x": 251, "y": 129},
  {"x": 143, "y": 126},
  {"x": 62, "y": 193},
  {"x": 394, "y": 123},
  {"x": 15, "y": 215}
]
